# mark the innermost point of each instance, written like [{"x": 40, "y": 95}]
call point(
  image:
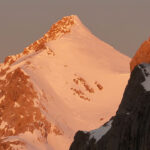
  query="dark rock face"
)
[{"x": 130, "y": 128}]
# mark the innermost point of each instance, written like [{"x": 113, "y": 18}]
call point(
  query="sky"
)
[{"x": 124, "y": 24}]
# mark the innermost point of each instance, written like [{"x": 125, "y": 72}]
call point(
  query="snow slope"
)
[{"x": 78, "y": 80}]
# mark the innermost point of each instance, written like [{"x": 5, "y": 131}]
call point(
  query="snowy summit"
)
[{"x": 68, "y": 80}]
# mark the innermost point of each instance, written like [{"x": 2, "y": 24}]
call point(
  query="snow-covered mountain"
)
[{"x": 68, "y": 80}]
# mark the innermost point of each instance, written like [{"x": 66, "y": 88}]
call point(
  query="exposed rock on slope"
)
[
  {"x": 142, "y": 55},
  {"x": 130, "y": 128}
]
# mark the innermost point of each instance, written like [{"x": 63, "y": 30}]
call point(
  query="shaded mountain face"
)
[
  {"x": 56, "y": 85},
  {"x": 130, "y": 128}
]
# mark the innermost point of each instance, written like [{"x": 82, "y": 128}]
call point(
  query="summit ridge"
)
[{"x": 56, "y": 31}]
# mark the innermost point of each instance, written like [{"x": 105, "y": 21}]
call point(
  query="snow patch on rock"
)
[
  {"x": 16, "y": 105},
  {"x": 98, "y": 133},
  {"x": 3, "y": 125},
  {"x": 146, "y": 72}
]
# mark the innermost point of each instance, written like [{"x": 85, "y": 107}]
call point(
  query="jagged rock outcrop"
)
[
  {"x": 142, "y": 55},
  {"x": 130, "y": 128}
]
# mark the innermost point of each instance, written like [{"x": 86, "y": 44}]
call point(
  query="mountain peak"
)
[
  {"x": 142, "y": 55},
  {"x": 49, "y": 88},
  {"x": 56, "y": 31}
]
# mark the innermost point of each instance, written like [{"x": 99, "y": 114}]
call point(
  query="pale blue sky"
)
[{"x": 124, "y": 24}]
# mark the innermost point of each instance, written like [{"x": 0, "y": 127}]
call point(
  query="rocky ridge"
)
[
  {"x": 56, "y": 31},
  {"x": 19, "y": 99}
]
